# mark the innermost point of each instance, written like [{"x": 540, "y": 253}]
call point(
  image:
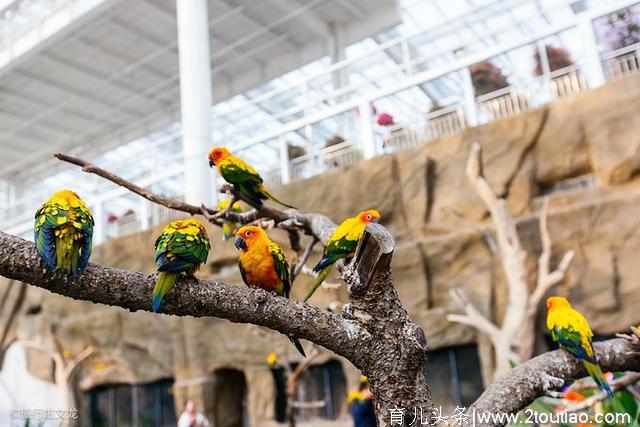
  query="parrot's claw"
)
[
  {"x": 551, "y": 384},
  {"x": 259, "y": 297}
]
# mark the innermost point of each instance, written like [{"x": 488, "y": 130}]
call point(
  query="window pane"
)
[
  {"x": 167, "y": 407},
  {"x": 439, "y": 378},
  {"x": 148, "y": 405},
  {"x": 122, "y": 401},
  {"x": 100, "y": 408},
  {"x": 469, "y": 373},
  {"x": 324, "y": 385}
]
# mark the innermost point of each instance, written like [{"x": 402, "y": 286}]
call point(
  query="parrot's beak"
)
[
  {"x": 210, "y": 163},
  {"x": 240, "y": 243},
  {"x": 376, "y": 220}
]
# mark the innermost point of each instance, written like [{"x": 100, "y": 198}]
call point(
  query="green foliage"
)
[{"x": 623, "y": 403}]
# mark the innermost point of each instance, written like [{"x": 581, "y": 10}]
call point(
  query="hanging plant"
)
[{"x": 487, "y": 77}]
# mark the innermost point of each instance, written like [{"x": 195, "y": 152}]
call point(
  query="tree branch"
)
[
  {"x": 132, "y": 290},
  {"x": 472, "y": 316},
  {"x": 546, "y": 279},
  {"x": 531, "y": 378},
  {"x": 313, "y": 224},
  {"x": 618, "y": 383}
]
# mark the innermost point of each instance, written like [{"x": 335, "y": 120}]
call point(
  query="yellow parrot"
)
[
  {"x": 342, "y": 244},
  {"x": 571, "y": 331}
]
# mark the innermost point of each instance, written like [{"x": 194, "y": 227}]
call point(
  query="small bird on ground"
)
[
  {"x": 342, "y": 244},
  {"x": 571, "y": 331},
  {"x": 228, "y": 227},
  {"x": 183, "y": 246},
  {"x": 63, "y": 232},
  {"x": 263, "y": 265},
  {"x": 244, "y": 178}
]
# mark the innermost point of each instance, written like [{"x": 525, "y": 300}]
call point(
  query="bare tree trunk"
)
[{"x": 513, "y": 341}]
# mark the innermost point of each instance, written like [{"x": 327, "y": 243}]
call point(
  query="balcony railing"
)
[
  {"x": 622, "y": 62},
  {"x": 364, "y": 138}
]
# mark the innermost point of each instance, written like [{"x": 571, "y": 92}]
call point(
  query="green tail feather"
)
[
  {"x": 322, "y": 274},
  {"x": 596, "y": 374},
  {"x": 164, "y": 283},
  {"x": 67, "y": 254},
  {"x": 273, "y": 198}
]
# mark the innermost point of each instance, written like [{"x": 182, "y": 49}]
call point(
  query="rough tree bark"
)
[
  {"x": 374, "y": 331},
  {"x": 513, "y": 340}
]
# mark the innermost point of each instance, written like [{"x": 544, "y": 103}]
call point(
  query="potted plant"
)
[
  {"x": 558, "y": 58},
  {"x": 487, "y": 77}
]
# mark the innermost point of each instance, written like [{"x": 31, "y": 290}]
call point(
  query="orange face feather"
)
[
  {"x": 368, "y": 216},
  {"x": 217, "y": 154}
]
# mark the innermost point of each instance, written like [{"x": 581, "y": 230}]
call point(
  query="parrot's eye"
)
[
  {"x": 248, "y": 233},
  {"x": 368, "y": 216}
]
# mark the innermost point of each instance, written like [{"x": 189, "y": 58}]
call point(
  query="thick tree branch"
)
[
  {"x": 531, "y": 379},
  {"x": 132, "y": 290}
]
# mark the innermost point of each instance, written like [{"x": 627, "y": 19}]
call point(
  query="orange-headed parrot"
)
[
  {"x": 263, "y": 265},
  {"x": 244, "y": 178},
  {"x": 571, "y": 331},
  {"x": 183, "y": 246},
  {"x": 342, "y": 244},
  {"x": 63, "y": 231}
]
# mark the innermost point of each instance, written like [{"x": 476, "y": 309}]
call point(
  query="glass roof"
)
[{"x": 437, "y": 32}]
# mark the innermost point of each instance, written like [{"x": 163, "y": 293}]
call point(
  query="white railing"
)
[
  {"x": 566, "y": 82},
  {"x": 302, "y": 167},
  {"x": 505, "y": 102},
  {"x": 273, "y": 178},
  {"x": 521, "y": 96},
  {"x": 337, "y": 156},
  {"x": 444, "y": 122},
  {"x": 424, "y": 128},
  {"x": 622, "y": 61}
]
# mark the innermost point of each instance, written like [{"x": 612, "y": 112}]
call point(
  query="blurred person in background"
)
[
  {"x": 191, "y": 418},
  {"x": 361, "y": 405}
]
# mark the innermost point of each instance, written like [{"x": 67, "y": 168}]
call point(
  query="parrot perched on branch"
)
[
  {"x": 183, "y": 246},
  {"x": 263, "y": 265},
  {"x": 63, "y": 231},
  {"x": 342, "y": 244},
  {"x": 572, "y": 332},
  {"x": 245, "y": 179},
  {"x": 228, "y": 227}
]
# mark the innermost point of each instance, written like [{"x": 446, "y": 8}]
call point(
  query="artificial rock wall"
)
[{"x": 592, "y": 139}]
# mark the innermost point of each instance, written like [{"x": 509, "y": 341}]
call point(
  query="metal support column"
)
[
  {"x": 195, "y": 99},
  {"x": 592, "y": 64},
  {"x": 367, "y": 139},
  {"x": 470, "y": 109}
]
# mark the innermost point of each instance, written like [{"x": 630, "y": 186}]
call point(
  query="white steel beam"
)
[{"x": 195, "y": 98}]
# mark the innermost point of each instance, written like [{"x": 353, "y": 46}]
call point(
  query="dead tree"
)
[
  {"x": 374, "y": 331},
  {"x": 513, "y": 340},
  {"x": 65, "y": 366}
]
